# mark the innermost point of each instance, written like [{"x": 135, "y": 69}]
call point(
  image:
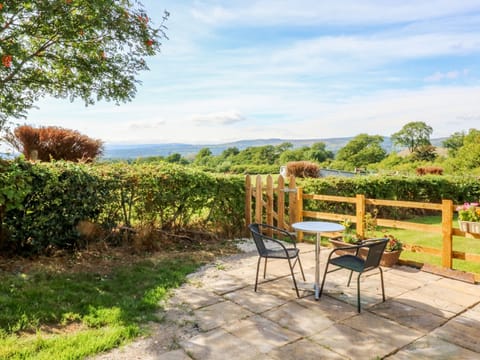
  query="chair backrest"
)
[
  {"x": 258, "y": 238},
  {"x": 376, "y": 247}
]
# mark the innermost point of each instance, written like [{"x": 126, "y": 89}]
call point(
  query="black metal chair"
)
[
  {"x": 271, "y": 248},
  {"x": 358, "y": 263}
]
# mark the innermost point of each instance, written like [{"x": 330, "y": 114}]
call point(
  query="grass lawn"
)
[{"x": 51, "y": 314}]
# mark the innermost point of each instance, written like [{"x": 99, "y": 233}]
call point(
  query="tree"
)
[
  {"x": 55, "y": 143},
  {"x": 454, "y": 142},
  {"x": 413, "y": 135},
  {"x": 92, "y": 50},
  {"x": 468, "y": 156},
  {"x": 362, "y": 150},
  {"x": 318, "y": 152},
  {"x": 424, "y": 153}
]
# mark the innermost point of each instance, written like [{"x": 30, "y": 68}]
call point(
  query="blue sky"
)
[{"x": 235, "y": 70}]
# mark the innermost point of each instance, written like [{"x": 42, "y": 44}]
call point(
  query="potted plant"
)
[
  {"x": 469, "y": 217},
  {"x": 392, "y": 251}
]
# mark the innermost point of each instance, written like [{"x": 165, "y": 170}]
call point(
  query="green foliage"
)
[
  {"x": 111, "y": 308},
  {"x": 56, "y": 197},
  {"x": 413, "y": 135},
  {"x": 454, "y": 142},
  {"x": 92, "y": 50},
  {"x": 60, "y": 195},
  {"x": 361, "y": 151},
  {"x": 427, "y": 188}
]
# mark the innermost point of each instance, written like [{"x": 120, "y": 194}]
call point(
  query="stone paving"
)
[{"x": 425, "y": 316}]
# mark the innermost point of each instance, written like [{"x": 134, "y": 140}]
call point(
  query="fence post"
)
[
  {"x": 258, "y": 200},
  {"x": 360, "y": 215},
  {"x": 447, "y": 217},
  {"x": 292, "y": 202},
  {"x": 248, "y": 200},
  {"x": 269, "y": 203},
  {"x": 281, "y": 202}
]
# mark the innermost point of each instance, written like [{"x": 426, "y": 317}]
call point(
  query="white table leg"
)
[{"x": 316, "y": 286}]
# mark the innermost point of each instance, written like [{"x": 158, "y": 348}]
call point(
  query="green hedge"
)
[
  {"x": 54, "y": 197},
  {"x": 414, "y": 188},
  {"x": 43, "y": 203}
]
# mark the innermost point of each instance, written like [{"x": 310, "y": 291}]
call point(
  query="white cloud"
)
[
  {"x": 219, "y": 118},
  {"x": 450, "y": 75}
]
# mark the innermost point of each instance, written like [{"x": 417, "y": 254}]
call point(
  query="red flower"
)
[
  {"x": 149, "y": 42},
  {"x": 7, "y": 60},
  {"x": 1, "y": 6}
]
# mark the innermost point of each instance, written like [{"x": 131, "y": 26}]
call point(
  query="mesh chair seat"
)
[
  {"x": 356, "y": 263},
  {"x": 349, "y": 262},
  {"x": 280, "y": 254}
]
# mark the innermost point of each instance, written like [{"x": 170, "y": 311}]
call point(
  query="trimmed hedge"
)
[
  {"x": 427, "y": 188},
  {"x": 58, "y": 196}
]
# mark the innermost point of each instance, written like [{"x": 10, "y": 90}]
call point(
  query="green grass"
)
[
  {"x": 433, "y": 240},
  {"x": 103, "y": 310}
]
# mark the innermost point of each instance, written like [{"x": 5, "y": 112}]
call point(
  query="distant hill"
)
[{"x": 113, "y": 151}]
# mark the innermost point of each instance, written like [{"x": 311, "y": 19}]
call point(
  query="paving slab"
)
[
  {"x": 353, "y": 343},
  {"x": 306, "y": 350},
  {"x": 409, "y": 316},
  {"x": 218, "y": 344},
  {"x": 221, "y": 313},
  {"x": 255, "y": 302},
  {"x": 430, "y": 347},
  {"x": 300, "y": 319},
  {"x": 261, "y": 333},
  {"x": 463, "y": 330}
]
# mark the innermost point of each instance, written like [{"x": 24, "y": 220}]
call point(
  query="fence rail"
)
[{"x": 273, "y": 206}]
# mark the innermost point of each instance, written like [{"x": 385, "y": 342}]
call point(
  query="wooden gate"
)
[{"x": 271, "y": 203}]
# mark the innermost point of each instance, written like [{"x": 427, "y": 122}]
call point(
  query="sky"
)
[{"x": 304, "y": 69}]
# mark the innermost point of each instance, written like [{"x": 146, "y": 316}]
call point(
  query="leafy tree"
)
[
  {"x": 468, "y": 156},
  {"x": 424, "y": 153},
  {"x": 92, "y": 50},
  {"x": 454, "y": 142},
  {"x": 362, "y": 150},
  {"x": 176, "y": 158},
  {"x": 318, "y": 152},
  {"x": 413, "y": 135},
  {"x": 55, "y": 143},
  {"x": 230, "y": 152},
  {"x": 290, "y": 155}
]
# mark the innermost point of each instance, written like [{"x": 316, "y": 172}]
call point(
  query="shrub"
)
[
  {"x": 429, "y": 170},
  {"x": 302, "y": 169},
  {"x": 55, "y": 143},
  {"x": 65, "y": 204}
]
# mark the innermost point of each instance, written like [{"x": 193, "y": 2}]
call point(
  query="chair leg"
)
[
  {"x": 358, "y": 292},
  {"x": 350, "y": 278},
  {"x": 301, "y": 268},
  {"x": 293, "y": 277},
  {"x": 383, "y": 287},
  {"x": 256, "y": 276},
  {"x": 265, "y": 269},
  {"x": 323, "y": 281}
]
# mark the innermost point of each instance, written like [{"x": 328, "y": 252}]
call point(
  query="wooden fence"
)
[{"x": 282, "y": 205}]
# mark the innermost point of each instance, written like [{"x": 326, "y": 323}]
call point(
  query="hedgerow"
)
[
  {"x": 427, "y": 188},
  {"x": 59, "y": 196}
]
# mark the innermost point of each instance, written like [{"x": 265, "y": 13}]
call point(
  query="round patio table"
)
[{"x": 317, "y": 227}]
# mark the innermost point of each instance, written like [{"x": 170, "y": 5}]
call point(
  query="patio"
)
[{"x": 425, "y": 316}]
